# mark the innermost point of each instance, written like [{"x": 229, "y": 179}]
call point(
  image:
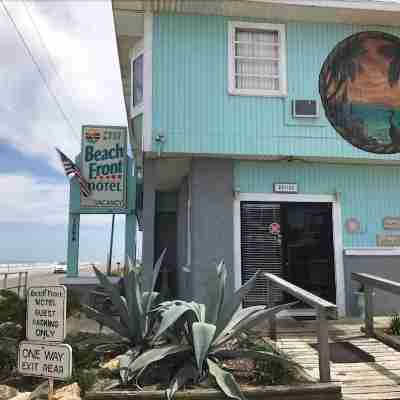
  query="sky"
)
[{"x": 75, "y": 81}]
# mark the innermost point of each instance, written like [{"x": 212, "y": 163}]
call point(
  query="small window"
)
[
  {"x": 137, "y": 80},
  {"x": 257, "y": 55}
]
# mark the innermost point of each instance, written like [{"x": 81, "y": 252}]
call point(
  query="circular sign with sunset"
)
[{"x": 359, "y": 86}]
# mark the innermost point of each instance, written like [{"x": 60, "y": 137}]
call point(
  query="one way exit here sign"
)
[{"x": 45, "y": 360}]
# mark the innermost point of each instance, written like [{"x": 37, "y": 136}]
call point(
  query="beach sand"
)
[{"x": 43, "y": 276}]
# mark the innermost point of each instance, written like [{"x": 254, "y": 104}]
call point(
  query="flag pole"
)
[{"x": 111, "y": 246}]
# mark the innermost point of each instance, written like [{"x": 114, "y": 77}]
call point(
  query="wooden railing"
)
[
  {"x": 371, "y": 282},
  {"x": 324, "y": 310},
  {"x": 21, "y": 285}
]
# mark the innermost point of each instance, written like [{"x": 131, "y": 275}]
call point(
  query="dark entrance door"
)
[
  {"x": 307, "y": 247},
  {"x": 291, "y": 240},
  {"x": 165, "y": 225}
]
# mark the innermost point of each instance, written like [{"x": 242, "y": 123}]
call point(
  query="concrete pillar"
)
[
  {"x": 183, "y": 283},
  {"x": 211, "y": 221},
  {"x": 149, "y": 210}
]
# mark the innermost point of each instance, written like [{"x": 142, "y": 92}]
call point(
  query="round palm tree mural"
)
[{"x": 359, "y": 86}]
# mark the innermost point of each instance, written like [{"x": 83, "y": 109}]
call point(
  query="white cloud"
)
[
  {"x": 27, "y": 199},
  {"x": 86, "y": 80}
]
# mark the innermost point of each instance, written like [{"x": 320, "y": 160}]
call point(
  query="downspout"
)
[{"x": 189, "y": 227}]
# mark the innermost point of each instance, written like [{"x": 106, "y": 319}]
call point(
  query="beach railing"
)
[
  {"x": 324, "y": 310},
  {"x": 371, "y": 282},
  {"x": 22, "y": 282}
]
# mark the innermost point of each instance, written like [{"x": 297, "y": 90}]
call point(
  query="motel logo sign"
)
[{"x": 103, "y": 165}]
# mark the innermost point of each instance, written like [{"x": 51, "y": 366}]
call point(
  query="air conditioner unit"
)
[{"x": 305, "y": 109}]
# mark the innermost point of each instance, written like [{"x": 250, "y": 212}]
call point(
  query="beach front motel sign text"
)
[{"x": 103, "y": 165}]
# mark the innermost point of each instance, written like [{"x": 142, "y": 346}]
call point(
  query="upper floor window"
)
[
  {"x": 257, "y": 59},
  {"x": 137, "y": 80},
  {"x": 137, "y": 58}
]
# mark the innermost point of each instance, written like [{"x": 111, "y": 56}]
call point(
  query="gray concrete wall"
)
[
  {"x": 182, "y": 231},
  {"x": 149, "y": 210},
  {"x": 211, "y": 221},
  {"x": 382, "y": 266}
]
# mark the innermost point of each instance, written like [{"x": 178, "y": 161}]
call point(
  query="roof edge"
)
[{"x": 373, "y": 5}]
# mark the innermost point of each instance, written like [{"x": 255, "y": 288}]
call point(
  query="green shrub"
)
[
  {"x": 12, "y": 308},
  {"x": 8, "y": 356}
]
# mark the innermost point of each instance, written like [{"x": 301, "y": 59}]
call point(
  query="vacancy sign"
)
[
  {"x": 46, "y": 360},
  {"x": 103, "y": 165},
  {"x": 46, "y": 313}
]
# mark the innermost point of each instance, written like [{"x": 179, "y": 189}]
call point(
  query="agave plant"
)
[
  {"x": 202, "y": 332},
  {"x": 133, "y": 321}
]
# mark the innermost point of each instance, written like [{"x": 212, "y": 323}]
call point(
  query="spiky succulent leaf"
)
[
  {"x": 197, "y": 308},
  {"x": 203, "y": 335},
  {"x": 106, "y": 320},
  {"x": 137, "y": 318},
  {"x": 170, "y": 316},
  {"x": 153, "y": 355},
  {"x": 221, "y": 270},
  {"x": 225, "y": 381},
  {"x": 145, "y": 299},
  {"x": 125, "y": 360},
  {"x": 156, "y": 271},
  {"x": 239, "y": 316},
  {"x": 214, "y": 292},
  {"x": 253, "y": 320},
  {"x": 115, "y": 296},
  {"x": 230, "y": 307},
  {"x": 185, "y": 374}
]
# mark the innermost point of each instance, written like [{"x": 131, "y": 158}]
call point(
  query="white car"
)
[{"x": 60, "y": 268}]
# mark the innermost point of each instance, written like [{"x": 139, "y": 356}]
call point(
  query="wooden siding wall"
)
[
  {"x": 368, "y": 193},
  {"x": 195, "y": 113}
]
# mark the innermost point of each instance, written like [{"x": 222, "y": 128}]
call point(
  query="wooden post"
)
[
  {"x": 109, "y": 261},
  {"x": 26, "y": 284},
  {"x": 323, "y": 347},
  {"x": 73, "y": 228},
  {"x": 272, "y": 320},
  {"x": 51, "y": 389},
  {"x": 5, "y": 281},
  {"x": 19, "y": 283},
  {"x": 369, "y": 311}
]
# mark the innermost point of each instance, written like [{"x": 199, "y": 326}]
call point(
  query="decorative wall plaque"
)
[
  {"x": 388, "y": 240},
  {"x": 360, "y": 91},
  {"x": 353, "y": 225},
  {"x": 391, "y": 223}
]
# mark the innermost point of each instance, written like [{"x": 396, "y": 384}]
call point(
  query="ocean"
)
[{"x": 28, "y": 266}]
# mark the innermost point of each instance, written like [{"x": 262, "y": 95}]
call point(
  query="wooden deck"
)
[{"x": 369, "y": 380}]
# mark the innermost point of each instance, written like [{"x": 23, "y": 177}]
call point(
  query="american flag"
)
[{"x": 72, "y": 170}]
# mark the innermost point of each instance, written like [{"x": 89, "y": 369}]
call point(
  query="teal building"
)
[{"x": 235, "y": 156}]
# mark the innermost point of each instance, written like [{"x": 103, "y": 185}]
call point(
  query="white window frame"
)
[
  {"x": 136, "y": 52},
  {"x": 232, "y": 89},
  {"x": 334, "y": 200}
]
